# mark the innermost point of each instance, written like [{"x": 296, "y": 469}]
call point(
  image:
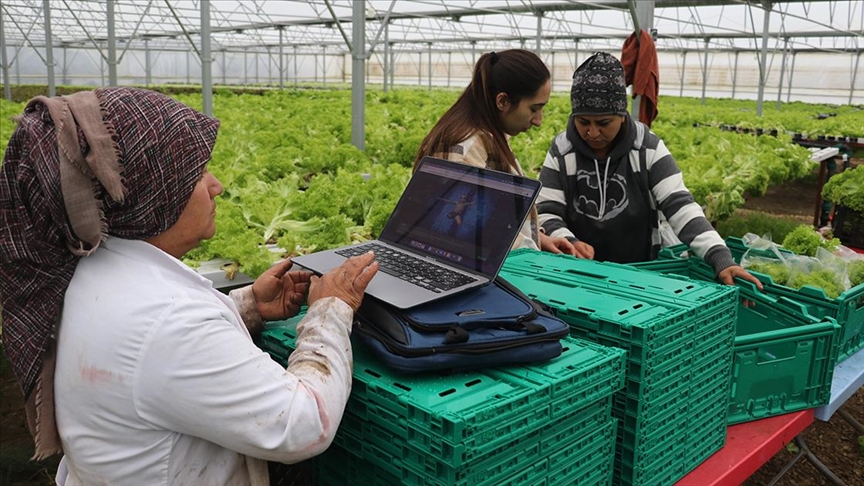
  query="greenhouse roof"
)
[{"x": 317, "y": 25}]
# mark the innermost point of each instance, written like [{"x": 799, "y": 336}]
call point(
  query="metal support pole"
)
[
  {"x": 782, "y": 72},
  {"x": 854, "y": 76},
  {"x": 245, "y": 67},
  {"x": 705, "y": 69},
  {"x": 358, "y": 83},
  {"x": 805, "y": 452},
  {"x": 539, "y": 46},
  {"x": 206, "y": 60},
  {"x": 683, "y": 70},
  {"x": 763, "y": 63},
  {"x": 419, "y": 69},
  {"x": 324, "y": 65},
  {"x": 49, "y": 47},
  {"x": 430, "y": 65},
  {"x": 735, "y": 74},
  {"x": 224, "y": 67},
  {"x": 147, "y": 72},
  {"x": 281, "y": 58},
  {"x": 17, "y": 66},
  {"x": 449, "y": 64},
  {"x": 188, "y": 68},
  {"x": 392, "y": 68},
  {"x": 473, "y": 53},
  {"x": 64, "y": 68},
  {"x": 575, "y": 54},
  {"x": 791, "y": 73},
  {"x": 256, "y": 58},
  {"x": 294, "y": 59},
  {"x": 385, "y": 68},
  {"x": 4, "y": 61},
  {"x": 112, "y": 44},
  {"x": 851, "y": 421}
]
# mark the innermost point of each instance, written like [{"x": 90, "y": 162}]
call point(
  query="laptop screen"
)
[{"x": 462, "y": 215}]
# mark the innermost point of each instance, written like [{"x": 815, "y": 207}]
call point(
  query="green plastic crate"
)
[
  {"x": 702, "y": 444},
  {"x": 473, "y": 405},
  {"x": 697, "y": 296},
  {"x": 586, "y": 460},
  {"x": 356, "y": 435},
  {"x": 664, "y": 463},
  {"x": 783, "y": 359},
  {"x": 422, "y": 448},
  {"x": 338, "y": 467},
  {"x": 659, "y": 331},
  {"x": 847, "y": 309}
]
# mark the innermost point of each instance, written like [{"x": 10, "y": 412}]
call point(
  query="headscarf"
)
[
  {"x": 598, "y": 87},
  {"x": 114, "y": 161}
]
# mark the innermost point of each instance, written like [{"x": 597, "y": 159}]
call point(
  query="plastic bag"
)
[
  {"x": 833, "y": 272},
  {"x": 764, "y": 256},
  {"x": 825, "y": 271},
  {"x": 854, "y": 263}
]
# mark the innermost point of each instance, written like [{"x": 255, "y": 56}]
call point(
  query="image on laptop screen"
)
[{"x": 462, "y": 218}]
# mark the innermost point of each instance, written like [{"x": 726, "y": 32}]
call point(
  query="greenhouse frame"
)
[{"x": 806, "y": 50}]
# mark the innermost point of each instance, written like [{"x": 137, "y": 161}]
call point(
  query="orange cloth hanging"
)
[{"x": 641, "y": 69}]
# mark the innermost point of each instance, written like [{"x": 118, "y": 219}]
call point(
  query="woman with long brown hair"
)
[{"x": 506, "y": 96}]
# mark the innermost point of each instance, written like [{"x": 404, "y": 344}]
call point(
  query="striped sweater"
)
[{"x": 641, "y": 186}]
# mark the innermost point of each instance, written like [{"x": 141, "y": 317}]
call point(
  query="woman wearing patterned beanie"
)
[
  {"x": 609, "y": 182},
  {"x": 130, "y": 362},
  {"x": 505, "y": 97}
]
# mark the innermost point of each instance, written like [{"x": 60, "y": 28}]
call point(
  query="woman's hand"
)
[
  {"x": 579, "y": 249},
  {"x": 556, "y": 245},
  {"x": 728, "y": 274},
  {"x": 346, "y": 282},
  {"x": 583, "y": 250},
  {"x": 280, "y": 293}
]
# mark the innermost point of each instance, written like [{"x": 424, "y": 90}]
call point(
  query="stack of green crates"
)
[
  {"x": 678, "y": 334},
  {"x": 783, "y": 357},
  {"x": 847, "y": 309},
  {"x": 546, "y": 423}
]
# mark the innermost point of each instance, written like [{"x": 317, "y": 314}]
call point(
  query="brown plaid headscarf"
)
[{"x": 114, "y": 161}]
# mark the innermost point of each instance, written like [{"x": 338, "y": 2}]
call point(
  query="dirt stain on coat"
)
[{"x": 93, "y": 375}]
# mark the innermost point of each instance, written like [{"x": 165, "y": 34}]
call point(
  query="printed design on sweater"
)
[{"x": 588, "y": 201}]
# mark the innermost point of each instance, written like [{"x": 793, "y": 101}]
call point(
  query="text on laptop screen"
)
[{"x": 460, "y": 217}]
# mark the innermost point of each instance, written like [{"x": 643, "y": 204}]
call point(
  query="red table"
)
[{"x": 748, "y": 447}]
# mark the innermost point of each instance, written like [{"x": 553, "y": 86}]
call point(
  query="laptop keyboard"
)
[{"x": 411, "y": 269}]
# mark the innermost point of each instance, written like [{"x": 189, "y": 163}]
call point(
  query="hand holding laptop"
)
[{"x": 347, "y": 281}]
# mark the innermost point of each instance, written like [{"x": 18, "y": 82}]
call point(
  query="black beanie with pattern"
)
[{"x": 598, "y": 87}]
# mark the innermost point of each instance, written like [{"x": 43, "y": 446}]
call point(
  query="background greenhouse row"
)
[
  {"x": 779, "y": 51},
  {"x": 307, "y": 168}
]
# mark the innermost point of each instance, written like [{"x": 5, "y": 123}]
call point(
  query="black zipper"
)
[{"x": 483, "y": 348}]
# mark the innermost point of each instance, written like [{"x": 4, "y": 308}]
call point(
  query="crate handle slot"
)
[
  {"x": 776, "y": 352},
  {"x": 587, "y": 274}
]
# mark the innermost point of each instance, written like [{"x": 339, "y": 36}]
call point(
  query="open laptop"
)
[{"x": 450, "y": 231}]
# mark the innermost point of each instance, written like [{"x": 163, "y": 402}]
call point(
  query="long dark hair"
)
[{"x": 515, "y": 72}]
